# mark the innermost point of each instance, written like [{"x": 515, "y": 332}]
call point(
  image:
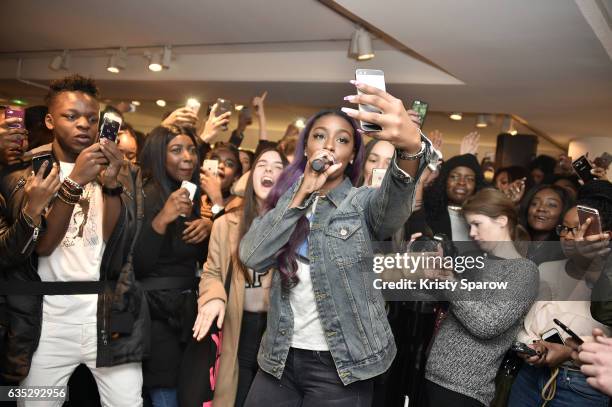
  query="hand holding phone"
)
[
  {"x": 191, "y": 188},
  {"x": 37, "y": 162},
  {"x": 15, "y": 112}
]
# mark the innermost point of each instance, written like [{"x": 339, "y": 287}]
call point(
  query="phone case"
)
[
  {"x": 377, "y": 176},
  {"x": 584, "y": 213},
  {"x": 211, "y": 166},
  {"x": 111, "y": 123},
  {"x": 421, "y": 108},
  {"x": 194, "y": 105},
  {"x": 38, "y": 161},
  {"x": 372, "y": 77},
  {"x": 11, "y": 112},
  {"x": 583, "y": 168},
  {"x": 191, "y": 187}
]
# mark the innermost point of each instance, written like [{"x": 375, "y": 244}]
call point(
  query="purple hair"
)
[{"x": 286, "y": 256}]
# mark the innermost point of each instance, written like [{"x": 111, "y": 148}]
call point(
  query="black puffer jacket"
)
[{"x": 122, "y": 307}]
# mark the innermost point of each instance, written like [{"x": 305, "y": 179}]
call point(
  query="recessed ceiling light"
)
[
  {"x": 456, "y": 116},
  {"x": 160, "y": 102},
  {"x": 135, "y": 102},
  {"x": 239, "y": 107}
]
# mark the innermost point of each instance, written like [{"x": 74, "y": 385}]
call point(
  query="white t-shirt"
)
[
  {"x": 568, "y": 300},
  {"x": 459, "y": 226},
  {"x": 307, "y": 329},
  {"x": 77, "y": 258}
]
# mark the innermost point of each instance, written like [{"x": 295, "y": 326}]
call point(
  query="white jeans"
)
[{"x": 62, "y": 348}]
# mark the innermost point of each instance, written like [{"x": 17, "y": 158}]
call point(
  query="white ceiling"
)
[{"x": 540, "y": 60}]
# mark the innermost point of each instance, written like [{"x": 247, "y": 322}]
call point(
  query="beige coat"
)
[{"x": 224, "y": 241}]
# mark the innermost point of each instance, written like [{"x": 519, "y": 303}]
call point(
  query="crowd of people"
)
[{"x": 268, "y": 260}]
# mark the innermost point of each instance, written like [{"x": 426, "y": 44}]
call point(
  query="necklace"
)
[{"x": 454, "y": 208}]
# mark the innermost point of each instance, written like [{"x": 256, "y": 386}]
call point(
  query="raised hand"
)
[
  {"x": 90, "y": 162},
  {"x": 258, "y": 103},
  {"x": 177, "y": 204},
  {"x": 470, "y": 143},
  {"x": 214, "y": 124},
  {"x": 398, "y": 126},
  {"x": 183, "y": 116}
]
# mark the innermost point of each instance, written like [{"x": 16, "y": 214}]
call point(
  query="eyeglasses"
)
[{"x": 563, "y": 230}]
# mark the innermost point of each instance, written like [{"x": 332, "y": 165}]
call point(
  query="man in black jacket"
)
[{"x": 90, "y": 227}]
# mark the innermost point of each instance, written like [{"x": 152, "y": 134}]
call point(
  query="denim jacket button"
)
[{"x": 343, "y": 232}]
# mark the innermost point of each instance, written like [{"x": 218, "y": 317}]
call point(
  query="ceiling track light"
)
[
  {"x": 456, "y": 116},
  {"x": 158, "y": 61},
  {"x": 360, "y": 46},
  {"x": 61, "y": 61},
  {"x": 117, "y": 61}
]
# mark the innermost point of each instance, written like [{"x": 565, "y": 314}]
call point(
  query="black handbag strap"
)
[{"x": 228, "y": 279}]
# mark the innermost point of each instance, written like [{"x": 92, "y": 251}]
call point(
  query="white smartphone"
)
[
  {"x": 191, "y": 187},
  {"x": 111, "y": 123},
  {"x": 211, "y": 166},
  {"x": 372, "y": 77},
  {"x": 553, "y": 335},
  {"x": 194, "y": 105},
  {"x": 377, "y": 176}
]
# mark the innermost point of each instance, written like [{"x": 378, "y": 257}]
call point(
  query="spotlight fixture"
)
[
  {"x": 239, "y": 107},
  {"x": 166, "y": 57},
  {"x": 61, "y": 61},
  {"x": 481, "y": 121},
  {"x": 361, "y": 45},
  {"x": 135, "y": 102},
  {"x": 508, "y": 126},
  {"x": 117, "y": 61},
  {"x": 160, "y": 102},
  {"x": 155, "y": 62},
  {"x": 456, "y": 116},
  {"x": 159, "y": 61}
]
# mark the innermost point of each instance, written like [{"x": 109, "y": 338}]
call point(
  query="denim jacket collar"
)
[{"x": 337, "y": 195}]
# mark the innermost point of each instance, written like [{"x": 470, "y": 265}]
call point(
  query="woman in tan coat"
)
[{"x": 243, "y": 315}]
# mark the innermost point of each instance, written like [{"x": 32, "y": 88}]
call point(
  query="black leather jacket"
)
[{"x": 121, "y": 308}]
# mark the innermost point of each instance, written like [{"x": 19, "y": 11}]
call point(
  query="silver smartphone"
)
[{"x": 372, "y": 77}]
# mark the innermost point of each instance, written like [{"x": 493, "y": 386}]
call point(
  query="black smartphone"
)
[
  {"x": 583, "y": 168},
  {"x": 38, "y": 161},
  {"x": 421, "y": 108},
  {"x": 520, "y": 347},
  {"x": 571, "y": 333},
  {"x": 111, "y": 123},
  {"x": 224, "y": 106},
  {"x": 553, "y": 336}
]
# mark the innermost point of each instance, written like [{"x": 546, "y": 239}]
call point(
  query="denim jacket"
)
[{"x": 351, "y": 311}]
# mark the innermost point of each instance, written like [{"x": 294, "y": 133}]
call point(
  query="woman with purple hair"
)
[{"x": 327, "y": 333}]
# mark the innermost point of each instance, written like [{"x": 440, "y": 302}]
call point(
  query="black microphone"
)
[{"x": 319, "y": 164}]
